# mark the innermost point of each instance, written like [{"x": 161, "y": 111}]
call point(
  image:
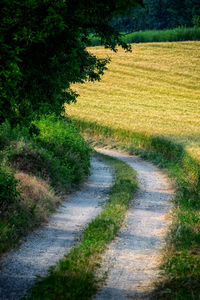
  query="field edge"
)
[{"x": 181, "y": 260}]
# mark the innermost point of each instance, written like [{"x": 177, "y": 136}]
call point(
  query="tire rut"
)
[
  {"x": 133, "y": 258},
  {"x": 45, "y": 246}
]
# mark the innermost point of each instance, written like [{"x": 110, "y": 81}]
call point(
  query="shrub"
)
[
  {"x": 60, "y": 137},
  {"x": 8, "y": 189},
  {"x": 55, "y": 151},
  {"x": 196, "y": 21},
  {"x": 51, "y": 158}
]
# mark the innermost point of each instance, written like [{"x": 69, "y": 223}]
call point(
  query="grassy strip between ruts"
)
[
  {"x": 74, "y": 276},
  {"x": 181, "y": 262}
]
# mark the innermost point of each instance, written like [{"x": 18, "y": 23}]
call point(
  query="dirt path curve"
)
[
  {"x": 132, "y": 260},
  {"x": 43, "y": 248}
]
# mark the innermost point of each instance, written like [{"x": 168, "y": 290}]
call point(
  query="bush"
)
[
  {"x": 43, "y": 51},
  {"x": 60, "y": 137},
  {"x": 53, "y": 151},
  {"x": 8, "y": 187},
  {"x": 196, "y": 21}
]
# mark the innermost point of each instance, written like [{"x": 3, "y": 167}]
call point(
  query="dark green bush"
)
[
  {"x": 55, "y": 151},
  {"x": 8, "y": 189}
]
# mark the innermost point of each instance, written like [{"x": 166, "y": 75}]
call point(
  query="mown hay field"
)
[
  {"x": 154, "y": 90},
  {"x": 148, "y": 103}
]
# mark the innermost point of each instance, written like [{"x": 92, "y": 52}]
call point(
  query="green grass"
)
[
  {"x": 181, "y": 261},
  {"x": 74, "y": 276},
  {"x": 148, "y": 102},
  {"x": 35, "y": 170},
  {"x": 165, "y": 35}
]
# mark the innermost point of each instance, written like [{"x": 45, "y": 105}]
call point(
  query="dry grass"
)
[
  {"x": 153, "y": 90},
  {"x": 37, "y": 195}
]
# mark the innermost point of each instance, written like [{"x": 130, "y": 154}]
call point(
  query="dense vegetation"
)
[
  {"x": 148, "y": 102},
  {"x": 160, "y": 14},
  {"x": 34, "y": 171},
  {"x": 43, "y": 51},
  {"x": 165, "y": 35}
]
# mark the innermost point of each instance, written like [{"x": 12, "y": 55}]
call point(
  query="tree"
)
[
  {"x": 43, "y": 50},
  {"x": 159, "y": 14}
]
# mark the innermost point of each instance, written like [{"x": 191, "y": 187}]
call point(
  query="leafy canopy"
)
[{"x": 43, "y": 50}]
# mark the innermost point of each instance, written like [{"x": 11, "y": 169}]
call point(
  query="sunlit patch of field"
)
[{"x": 153, "y": 90}]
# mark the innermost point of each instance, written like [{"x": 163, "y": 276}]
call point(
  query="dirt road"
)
[
  {"x": 132, "y": 260},
  {"x": 44, "y": 247}
]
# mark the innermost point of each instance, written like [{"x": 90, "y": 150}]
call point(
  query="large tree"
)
[{"x": 43, "y": 50}]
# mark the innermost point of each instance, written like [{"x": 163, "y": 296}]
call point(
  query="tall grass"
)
[
  {"x": 165, "y": 35},
  {"x": 34, "y": 170},
  {"x": 148, "y": 102}
]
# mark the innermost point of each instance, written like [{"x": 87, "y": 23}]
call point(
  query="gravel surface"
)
[
  {"x": 45, "y": 246},
  {"x": 132, "y": 260}
]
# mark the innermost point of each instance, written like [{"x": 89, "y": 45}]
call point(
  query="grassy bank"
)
[
  {"x": 37, "y": 166},
  {"x": 181, "y": 261},
  {"x": 74, "y": 276},
  {"x": 167, "y": 35},
  {"x": 148, "y": 102}
]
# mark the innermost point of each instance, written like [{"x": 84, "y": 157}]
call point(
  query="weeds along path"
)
[
  {"x": 43, "y": 248},
  {"x": 132, "y": 260}
]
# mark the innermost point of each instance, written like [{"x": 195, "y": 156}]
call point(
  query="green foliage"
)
[
  {"x": 74, "y": 276},
  {"x": 62, "y": 140},
  {"x": 57, "y": 153},
  {"x": 167, "y": 35},
  {"x": 43, "y": 51},
  {"x": 159, "y": 14},
  {"x": 54, "y": 152},
  {"x": 196, "y": 21},
  {"x": 8, "y": 187}
]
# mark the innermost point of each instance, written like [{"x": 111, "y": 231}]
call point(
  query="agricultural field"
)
[
  {"x": 149, "y": 102},
  {"x": 154, "y": 90}
]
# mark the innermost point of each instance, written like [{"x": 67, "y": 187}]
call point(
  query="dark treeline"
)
[{"x": 159, "y": 14}]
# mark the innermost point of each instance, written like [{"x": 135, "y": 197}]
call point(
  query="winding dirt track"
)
[
  {"x": 43, "y": 248},
  {"x": 132, "y": 260}
]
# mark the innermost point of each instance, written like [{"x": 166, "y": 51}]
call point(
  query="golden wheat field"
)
[{"x": 155, "y": 90}]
